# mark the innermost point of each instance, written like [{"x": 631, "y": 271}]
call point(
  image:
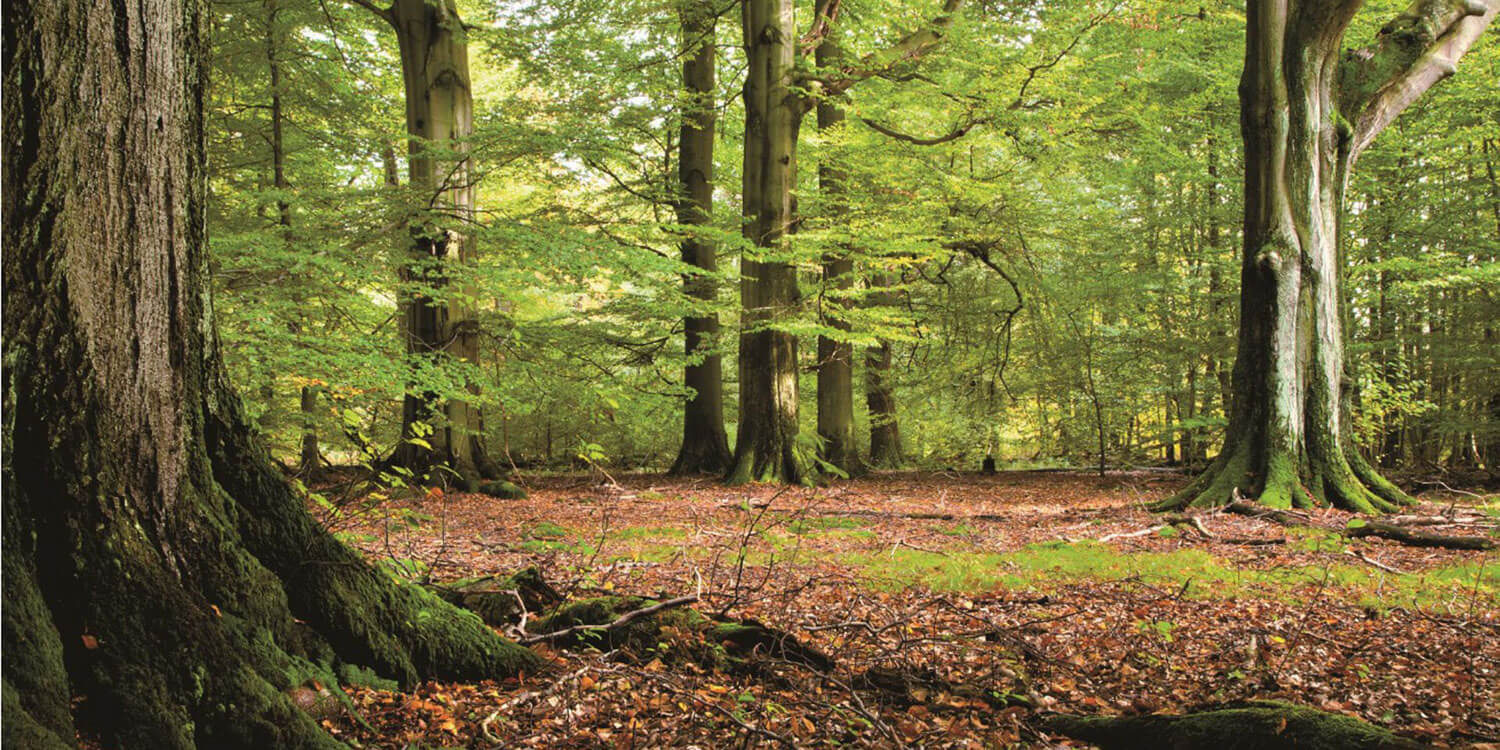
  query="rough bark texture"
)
[
  {"x": 765, "y": 447},
  {"x": 835, "y": 356},
  {"x": 705, "y": 445},
  {"x": 1306, "y": 112},
  {"x": 154, "y": 561},
  {"x": 439, "y": 320}
]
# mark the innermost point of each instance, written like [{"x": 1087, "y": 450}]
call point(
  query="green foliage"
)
[{"x": 1044, "y": 224}]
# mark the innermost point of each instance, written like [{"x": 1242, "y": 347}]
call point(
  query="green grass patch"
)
[
  {"x": 958, "y": 529},
  {"x": 636, "y": 533},
  {"x": 802, "y": 526},
  {"x": 546, "y": 530},
  {"x": 1201, "y": 574}
]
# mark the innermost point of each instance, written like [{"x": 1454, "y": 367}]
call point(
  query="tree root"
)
[{"x": 1258, "y": 725}]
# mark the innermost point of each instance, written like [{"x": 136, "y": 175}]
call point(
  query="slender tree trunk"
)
[
  {"x": 439, "y": 319},
  {"x": 835, "y": 356},
  {"x": 310, "y": 459},
  {"x": 154, "y": 561},
  {"x": 765, "y": 448},
  {"x": 1306, "y": 111},
  {"x": 705, "y": 445},
  {"x": 880, "y": 395}
]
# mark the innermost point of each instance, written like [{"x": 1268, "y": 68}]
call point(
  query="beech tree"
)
[
  {"x": 777, "y": 95},
  {"x": 439, "y": 317},
  {"x": 705, "y": 444},
  {"x": 1307, "y": 110},
  {"x": 154, "y": 560}
]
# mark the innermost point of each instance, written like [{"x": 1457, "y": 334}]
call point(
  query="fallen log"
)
[
  {"x": 1257, "y": 725},
  {"x": 1417, "y": 537}
]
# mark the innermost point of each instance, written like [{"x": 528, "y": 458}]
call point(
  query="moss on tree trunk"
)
[{"x": 155, "y": 561}]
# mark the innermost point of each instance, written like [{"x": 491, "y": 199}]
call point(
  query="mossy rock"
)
[
  {"x": 1257, "y": 725},
  {"x": 502, "y": 489},
  {"x": 494, "y": 598}
]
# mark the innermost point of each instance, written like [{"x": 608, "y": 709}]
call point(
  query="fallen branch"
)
[
  {"x": 1374, "y": 563},
  {"x": 1417, "y": 537}
]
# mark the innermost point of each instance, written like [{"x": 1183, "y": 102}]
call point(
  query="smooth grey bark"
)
[
  {"x": 777, "y": 96},
  {"x": 1307, "y": 110},
  {"x": 441, "y": 324},
  {"x": 835, "y": 356},
  {"x": 880, "y": 396},
  {"x": 765, "y": 446},
  {"x": 705, "y": 444}
]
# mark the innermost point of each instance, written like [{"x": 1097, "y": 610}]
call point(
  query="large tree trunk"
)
[
  {"x": 439, "y": 318},
  {"x": 835, "y": 356},
  {"x": 765, "y": 447},
  {"x": 1306, "y": 111},
  {"x": 154, "y": 561},
  {"x": 705, "y": 445}
]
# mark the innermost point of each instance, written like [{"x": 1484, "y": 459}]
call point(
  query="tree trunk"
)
[
  {"x": 309, "y": 459},
  {"x": 880, "y": 396},
  {"x": 1306, "y": 112},
  {"x": 154, "y": 561},
  {"x": 835, "y": 356},
  {"x": 439, "y": 319},
  {"x": 705, "y": 445},
  {"x": 765, "y": 448}
]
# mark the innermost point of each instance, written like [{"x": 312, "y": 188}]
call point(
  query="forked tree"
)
[
  {"x": 778, "y": 94},
  {"x": 1308, "y": 108},
  {"x": 154, "y": 560}
]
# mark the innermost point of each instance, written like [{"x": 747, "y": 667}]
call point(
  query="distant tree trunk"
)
[
  {"x": 1307, "y": 111},
  {"x": 765, "y": 448},
  {"x": 439, "y": 320},
  {"x": 310, "y": 460},
  {"x": 880, "y": 396},
  {"x": 155, "y": 562},
  {"x": 705, "y": 445},
  {"x": 1490, "y": 447},
  {"x": 835, "y": 357}
]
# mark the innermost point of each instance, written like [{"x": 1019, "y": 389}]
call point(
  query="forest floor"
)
[{"x": 1053, "y": 591}]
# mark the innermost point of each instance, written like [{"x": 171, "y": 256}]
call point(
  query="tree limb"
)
[
  {"x": 386, "y": 13},
  {"x": 912, "y": 47},
  {"x": 1412, "y": 53}
]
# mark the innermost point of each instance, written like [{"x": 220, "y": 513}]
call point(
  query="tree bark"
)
[
  {"x": 880, "y": 396},
  {"x": 765, "y": 447},
  {"x": 1306, "y": 112},
  {"x": 154, "y": 560},
  {"x": 775, "y": 102},
  {"x": 835, "y": 356},
  {"x": 705, "y": 445},
  {"x": 439, "y": 318}
]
